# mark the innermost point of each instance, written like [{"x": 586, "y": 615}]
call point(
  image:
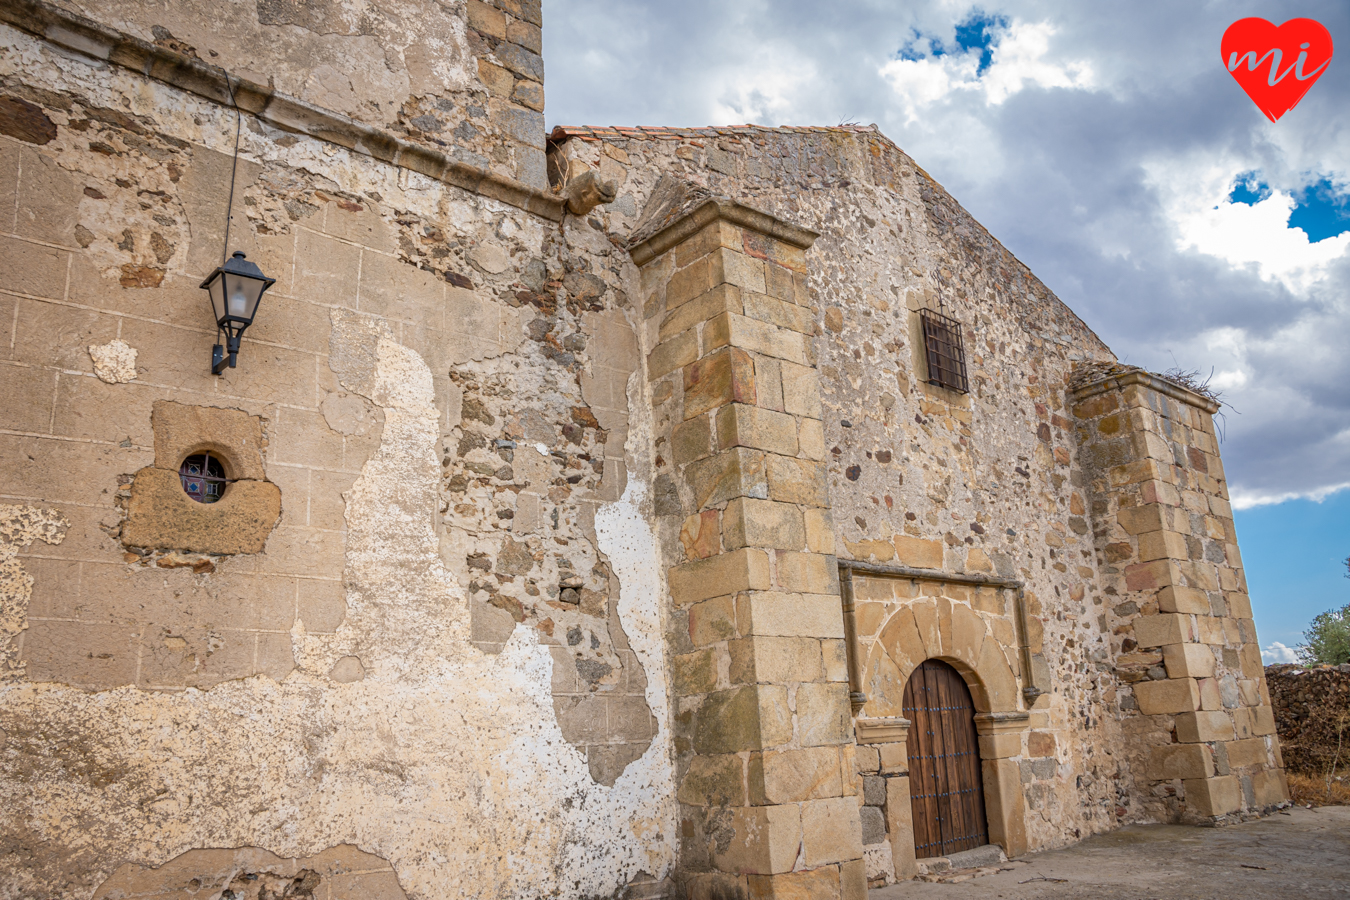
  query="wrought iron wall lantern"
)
[{"x": 236, "y": 288}]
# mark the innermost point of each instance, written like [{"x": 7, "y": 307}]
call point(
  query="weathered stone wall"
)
[
  {"x": 983, "y": 483},
  {"x": 492, "y": 465},
  {"x": 448, "y": 642},
  {"x": 1193, "y": 698},
  {"x": 464, "y": 77},
  {"x": 1312, "y": 716}
]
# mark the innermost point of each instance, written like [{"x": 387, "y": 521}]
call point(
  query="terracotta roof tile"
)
[{"x": 667, "y": 133}]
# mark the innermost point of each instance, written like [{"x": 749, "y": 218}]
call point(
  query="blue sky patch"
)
[
  {"x": 976, "y": 32},
  {"x": 1320, "y": 209},
  {"x": 920, "y": 46},
  {"x": 1292, "y": 553},
  {"x": 1249, "y": 189}
]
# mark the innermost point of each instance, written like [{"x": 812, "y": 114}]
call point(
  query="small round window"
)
[{"x": 203, "y": 477}]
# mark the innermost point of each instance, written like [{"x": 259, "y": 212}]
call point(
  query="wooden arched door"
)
[{"x": 945, "y": 787}]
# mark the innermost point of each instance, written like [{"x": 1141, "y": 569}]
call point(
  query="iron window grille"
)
[
  {"x": 203, "y": 477},
  {"x": 945, "y": 352}
]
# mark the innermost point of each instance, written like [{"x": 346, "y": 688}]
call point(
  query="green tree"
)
[{"x": 1327, "y": 640}]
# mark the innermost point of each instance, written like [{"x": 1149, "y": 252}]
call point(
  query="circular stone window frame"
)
[{"x": 211, "y": 451}]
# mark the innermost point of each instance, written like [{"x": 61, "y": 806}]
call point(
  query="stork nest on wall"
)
[{"x": 1190, "y": 379}]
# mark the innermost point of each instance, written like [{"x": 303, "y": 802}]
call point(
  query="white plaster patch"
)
[
  {"x": 880, "y": 862},
  {"x": 114, "y": 362},
  {"x": 19, "y": 527}
]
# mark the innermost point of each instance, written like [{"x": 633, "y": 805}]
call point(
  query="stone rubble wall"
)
[
  {"x": 452, "y": 639},
  {"x": 984, "y": 483},
  {"x": 1312, "y": 716}
]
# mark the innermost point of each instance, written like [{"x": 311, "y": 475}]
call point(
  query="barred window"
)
[
  {"x": 203, "y": 477},
  {"x": 944, "y": 350}
]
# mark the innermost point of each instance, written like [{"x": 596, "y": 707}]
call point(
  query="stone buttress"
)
[
  {"x": 1202, "y": 735},
  {"x": 762, "y": 732}
]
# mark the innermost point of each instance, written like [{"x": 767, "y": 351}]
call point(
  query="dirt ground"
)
[{"x": 1299, "y": 854}]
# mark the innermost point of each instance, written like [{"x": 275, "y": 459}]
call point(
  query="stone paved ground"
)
[{"x": 1301, "y": 855}]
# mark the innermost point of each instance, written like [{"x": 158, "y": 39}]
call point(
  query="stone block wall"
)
[
  {"x": 1197, "y": 713},
  {"x": 762, "y": 731},
  {"x": 902, "y": 621}
]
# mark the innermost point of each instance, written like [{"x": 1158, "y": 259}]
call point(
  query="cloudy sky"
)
[{"x": 1106, "y": 145}]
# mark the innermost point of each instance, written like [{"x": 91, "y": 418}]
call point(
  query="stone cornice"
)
[
  {"x": 90, "y": 39},
  {"x": 1150, "y": 381},
  {"x": 710, "y": 211}
]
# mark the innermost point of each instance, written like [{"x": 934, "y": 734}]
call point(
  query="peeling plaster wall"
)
[
  {"x": 438, "y": 752},
  {"x": 20, "y": 526},
  {"x": 985, "y": 483},
  {"x": 337, "y": 688}
]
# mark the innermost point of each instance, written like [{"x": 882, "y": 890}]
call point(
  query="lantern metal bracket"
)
[{"x": 219, "y": 360}]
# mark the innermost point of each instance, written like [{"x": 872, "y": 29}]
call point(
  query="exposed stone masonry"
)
[
  {"x": 527, "y": 578},
  {"x": 764, "y": 757}
]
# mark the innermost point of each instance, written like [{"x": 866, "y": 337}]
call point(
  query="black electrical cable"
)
[{"x": 234, "y": 167}]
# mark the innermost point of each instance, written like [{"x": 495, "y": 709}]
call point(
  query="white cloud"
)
[
  {"x": 919, "y": 83},
  {"x": 1194, "y": 190},
  {"x": 1020, "y": 59},
  {"x": 1245, "y": 499},
  {"x": 1276, "y": 652},
  {"x": 1228, "y": 380},
  {"x": 1260, "y": 234},
  {"x": 763, "y": 88}
]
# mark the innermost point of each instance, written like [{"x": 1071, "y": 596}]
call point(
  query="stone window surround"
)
[
  {"x": 161, "y": 515},
  {"x": 919, "y": 357},
  {"x": 942, "y": 332}
]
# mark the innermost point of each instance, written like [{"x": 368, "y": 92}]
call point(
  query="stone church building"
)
[{"x": 595, "y": 513}]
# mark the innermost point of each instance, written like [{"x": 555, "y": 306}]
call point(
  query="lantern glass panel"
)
[
  {"x": 216, "y": 288},
  {"x": 241, "y": 295}
]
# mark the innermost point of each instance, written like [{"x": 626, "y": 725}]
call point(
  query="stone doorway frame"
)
[{"x": 935, "y": 626}]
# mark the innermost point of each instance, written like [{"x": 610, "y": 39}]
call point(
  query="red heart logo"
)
[{"x": 1276, "y": 66}]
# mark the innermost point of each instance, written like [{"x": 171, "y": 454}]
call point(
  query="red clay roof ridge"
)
[{"x": 672, "y": 133}]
